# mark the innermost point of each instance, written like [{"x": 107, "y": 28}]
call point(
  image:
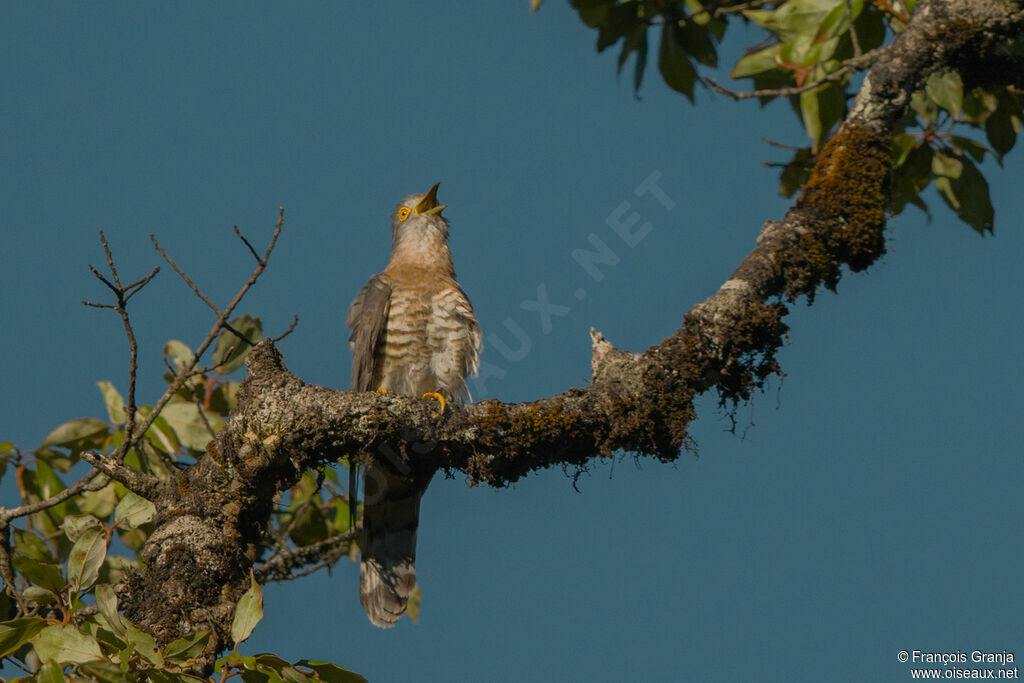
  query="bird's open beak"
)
[{"x": 428, "y": 205}]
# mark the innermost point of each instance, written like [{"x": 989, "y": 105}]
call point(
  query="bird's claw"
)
[{"x": 437, "y": 397}]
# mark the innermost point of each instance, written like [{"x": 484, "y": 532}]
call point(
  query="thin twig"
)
[
  {"x": 323, "y": 553},
  {"x": 722, "y": 10},
  {"x": 186, "y": 278},
  {"x": 86, "y": 483},
  {"x": 202, "y": 414},
  {"x": 246, "y": 242},
  {"x": 185, "y": 373},
  {"x": 848, "y": 67},
  {"x": 853, "y": 30},
  {"x": 781, "y": 145},
  {"x": 291, "y": 328},
  {"x": 122, "y": 295},
  {"x": 146, "y": 485},
  {"x": 110, "y": 260}
]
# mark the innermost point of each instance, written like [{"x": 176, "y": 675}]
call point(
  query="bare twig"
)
[
  {"x": 186, "y": 372},
  {"x": 92, "y": 481},
  {"x": 184, "y": 276},
  {"x": 853, "y": 30},
  {"x": 722, "y": 10},
  {"x": 781, "y": 145},
  {"x": 122, "y": 295},
  {"x": 202, "y": 414},
  {"x": 291, "y": 328},
  {"x": 246, "y": 242},
  {"x": 146, "y": 485},
  {"x": 848, "y": 67},
  {"x": 323, "y": 553}
]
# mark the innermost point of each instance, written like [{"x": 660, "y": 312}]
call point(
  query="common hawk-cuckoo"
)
[{"x": 413, "y": 334}]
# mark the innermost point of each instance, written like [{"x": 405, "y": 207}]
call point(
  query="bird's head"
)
[{"x": 418, "y": 219}]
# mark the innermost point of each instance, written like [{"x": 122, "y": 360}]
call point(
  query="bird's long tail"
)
[{"x": 387, "y": 571}]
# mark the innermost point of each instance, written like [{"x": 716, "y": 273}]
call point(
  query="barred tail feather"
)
[{"x": 387, "y": 572}]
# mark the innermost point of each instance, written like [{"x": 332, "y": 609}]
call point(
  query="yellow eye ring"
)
[{"x": 403, "y": 213}]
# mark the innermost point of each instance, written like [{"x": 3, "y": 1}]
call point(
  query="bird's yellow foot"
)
[
  {"x": 436, "y": 396},
  {"x": 382, "y": 391}
]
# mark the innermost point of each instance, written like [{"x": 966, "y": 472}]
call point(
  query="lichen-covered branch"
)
[{"x": 212, "y": 520}]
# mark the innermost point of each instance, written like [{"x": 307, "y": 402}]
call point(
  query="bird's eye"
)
[{"x": 403, "y": 213}]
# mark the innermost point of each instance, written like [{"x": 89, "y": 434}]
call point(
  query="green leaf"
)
[
  {"x": 27, "y": 544},
  {"x": 133, "y": 511},
  {"x": 635, "y": 41},
  {"x": 65, "y": 644},
  {"x": 86, "y": 558},
  {"x": 618, "y": 21},
  {"x": 180, "y": 354},
  {"x": 757, "y": 62},
  {"x": 115, "y": 568},
  {"x": 696, "y": 40},
  {"x": 968, "y": 195},
  {"x": 332, "y": 673},
  {"x": 674, "y": 63},
  {"x": 979, "y": 105},
  {"x": 593, "y": 13},
  {"x": 143, "y": 643},
  {"x": 837, "y": 20},
  {"x": 1002, "y": 127},
  {"x": 796, "y": 172},
  {"x": 275, "y": 666},
  {"x": 51, "y": 672},
  {"x": 811, "y": 115},
  {"x": 231, "y": 350},
  {"x": 100, "y": 503},
  {"x": 964, "y": 145},
  {"x": 186, "y": 648},
  {"x": 114, "y": 402},
  {"x": 535, "y": 5},
  {"x": 793, "y": 18},
  {"x": 184, "y": 418},
  {"x": 924, "y": 106},
  {"x": 40, "y": 595},
  {"x": 157, "y": 676},
  {"x": 946, "y": 89},
  {"x": 45, "y": 574},
  {"x": 105, "y": 672},
  {"x": 901, "y": 145},
  {"x": 909, "y": 178},
  {"x": 248, "y": 612},
  {"x": 256, "y": 676},
  {"x": 412, "y": 608},
  {"x": 17, "y": 632},
  {"x": 106, "y": 601},
  {"x": 945, "y": 165},
  {"x": 75, "y": 525},
  {"x": 69, "y": 434}
]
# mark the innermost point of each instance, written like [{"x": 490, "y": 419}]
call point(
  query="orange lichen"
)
[{"x": 841, "y": 211}]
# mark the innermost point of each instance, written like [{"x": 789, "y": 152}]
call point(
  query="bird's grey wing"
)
[{"x": 366, "y": 318}]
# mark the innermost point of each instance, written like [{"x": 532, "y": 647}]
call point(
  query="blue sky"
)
[{"x": 874, "y": 503}]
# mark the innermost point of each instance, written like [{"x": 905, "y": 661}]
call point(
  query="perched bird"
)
[{"x": 413, "y": 334}]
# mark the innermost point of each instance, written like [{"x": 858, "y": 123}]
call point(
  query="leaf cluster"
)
[
  {"x": 811, "y": 55},
  {"x": 58, "y": 611}
]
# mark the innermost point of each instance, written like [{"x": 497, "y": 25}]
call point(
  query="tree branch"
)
[{"x": 636, "y": 402}]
